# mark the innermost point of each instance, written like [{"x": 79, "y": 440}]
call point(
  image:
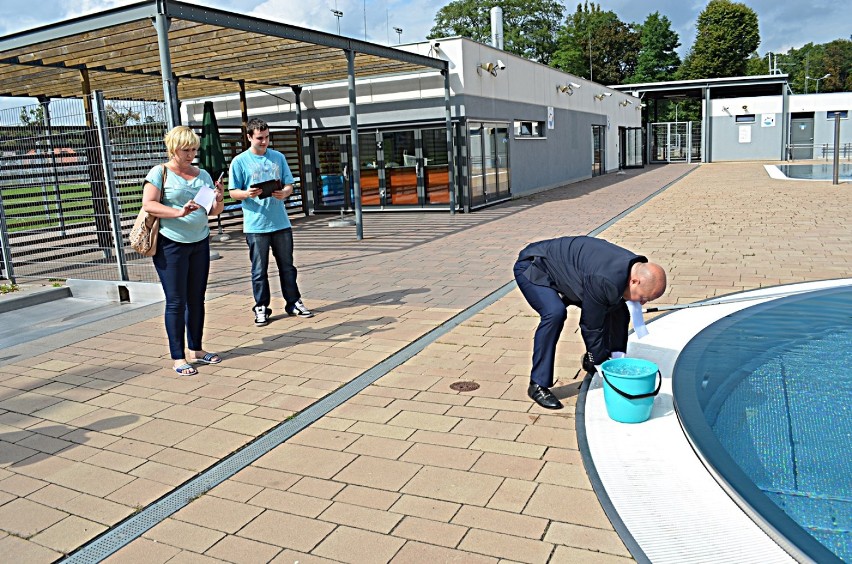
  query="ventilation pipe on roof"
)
[{"x": 497, "y": 27}]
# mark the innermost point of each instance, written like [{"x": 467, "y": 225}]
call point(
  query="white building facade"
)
[{"x": 518, "y": 127}]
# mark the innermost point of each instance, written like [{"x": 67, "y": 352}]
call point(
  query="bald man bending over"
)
[{"x": 594, "y": 275}]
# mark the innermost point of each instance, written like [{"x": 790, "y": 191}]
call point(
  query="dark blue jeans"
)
[
  {"x": 281, "y": 244},
  {"x": 183, "y": 270}
]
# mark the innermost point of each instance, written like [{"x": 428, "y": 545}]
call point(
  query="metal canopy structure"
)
[
  {"x": 197, "y": 52},
  {"x": 731, "y": 87},
  {"x": 708, "y": 89},
  {"x": 212, "y": 52}
]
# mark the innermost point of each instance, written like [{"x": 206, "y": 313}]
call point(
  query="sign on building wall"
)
[
  {"x": 550, "y": 119},
  {"x": 745, "y": 134},
  {"x": 767, "y": 120}
]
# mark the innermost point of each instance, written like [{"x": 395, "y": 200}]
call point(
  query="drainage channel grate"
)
[{"x": 136, "y": 525}]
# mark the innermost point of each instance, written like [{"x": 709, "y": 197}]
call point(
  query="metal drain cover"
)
[{"x": 464, "y": 386}]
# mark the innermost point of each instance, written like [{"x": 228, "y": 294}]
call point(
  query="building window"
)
[
  {"x": 745, "y": 118},
  {"x": 529, "y": 129},
  {"x": 844, "y": 114}
]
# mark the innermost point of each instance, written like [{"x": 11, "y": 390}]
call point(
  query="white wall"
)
[
  {"x": 522, "y": 82},
  {"x": 526, "y": 82},
  {"x": 730, "y": 107},
  {"x": 821, "y": 102},
  {"x": 766, "y": 142}
]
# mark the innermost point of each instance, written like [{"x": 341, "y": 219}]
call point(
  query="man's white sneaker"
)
[
  {"x": 299, "y": 309},
  {"x": 261, "y": 316}
]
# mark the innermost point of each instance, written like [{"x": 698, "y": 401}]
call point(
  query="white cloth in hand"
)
[
  {"x": 616, "y": 354},
  {"x": 639, "y": 328}
]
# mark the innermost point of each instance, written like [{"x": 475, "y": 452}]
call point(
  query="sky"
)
[{"x": 783, "y": 23}]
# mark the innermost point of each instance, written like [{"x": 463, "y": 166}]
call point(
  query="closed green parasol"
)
[
  {"x": 212, "y": 159},
  {"x": 210, "y": 155}
]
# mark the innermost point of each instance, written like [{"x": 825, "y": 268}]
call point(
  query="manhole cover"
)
[{"x": 464, "y": 386}]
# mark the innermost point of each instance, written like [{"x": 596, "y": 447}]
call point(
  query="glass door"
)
[
  {"x": 631, "y": 147},
  {"x": 477, "y": 165},
  {"x": 598, "y": 150},
  {"x": 400, "y": 168},
  {"x": 489, "y": 162},
  {"x": 371, "y": 193},
  {"x": 330, "y": 156},
  {"x": 500, "y": 133},
  {"x": 436, "y": 170}
]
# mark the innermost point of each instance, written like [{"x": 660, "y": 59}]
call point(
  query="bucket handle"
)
[{"x": 637, "y": 396}]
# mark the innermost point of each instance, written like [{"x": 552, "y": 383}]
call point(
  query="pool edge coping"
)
[{"x": 613, "y": 506}]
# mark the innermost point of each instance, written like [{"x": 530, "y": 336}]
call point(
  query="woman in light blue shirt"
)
[{"x": 183, "y": 245}]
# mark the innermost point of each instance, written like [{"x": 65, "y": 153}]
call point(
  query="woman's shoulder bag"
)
[{"x": 143, "y": 236}]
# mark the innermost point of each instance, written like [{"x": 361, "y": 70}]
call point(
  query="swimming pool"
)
[
  {"x": 819, "y": 171},
  {"x": 765, "y": 396}
]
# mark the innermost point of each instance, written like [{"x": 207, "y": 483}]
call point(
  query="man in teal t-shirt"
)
[{"x": 265, "y": 221}]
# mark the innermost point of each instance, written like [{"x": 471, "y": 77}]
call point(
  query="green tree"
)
[
  {"x": 837, "y": 61},
  {"x": 757, "y": 65},
  {"x": 658, "y": 59},
  {"x": 726, "y": 36},
  {"x": 529, "y": 26},
  {"x": 813, "y": 61},
  {"x": 597, "y": 45},
  {"x": 32, "y": 116},
  {"x": 117, "y": 117},
  {"x": 797, "y": 64}
]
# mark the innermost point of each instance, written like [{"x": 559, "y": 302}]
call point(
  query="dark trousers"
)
[
  {"x": 553, "y": 311},
  {"x": 281, "y": 245},
  {"x": 183, "y": 270}
]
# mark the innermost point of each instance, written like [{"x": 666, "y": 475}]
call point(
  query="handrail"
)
[{"x": 826, "y": 150}]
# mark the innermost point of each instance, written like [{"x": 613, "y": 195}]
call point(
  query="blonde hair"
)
[{"x": 181, "y": 137}]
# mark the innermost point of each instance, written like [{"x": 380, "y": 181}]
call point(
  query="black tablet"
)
[{"x": 267, "y": 187}]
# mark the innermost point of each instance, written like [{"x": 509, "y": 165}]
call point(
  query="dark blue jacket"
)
[{"x": 590, "y": 273}]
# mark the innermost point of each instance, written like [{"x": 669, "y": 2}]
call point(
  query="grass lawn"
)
[{"x": 36, "y": 207}]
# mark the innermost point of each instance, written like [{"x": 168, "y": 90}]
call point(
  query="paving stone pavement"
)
[{"x": 408, "y": 470}]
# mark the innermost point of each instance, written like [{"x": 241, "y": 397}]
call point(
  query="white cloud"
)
[
  {"x": 86, "y": 7},
  {"x": 414, "y": 17}
]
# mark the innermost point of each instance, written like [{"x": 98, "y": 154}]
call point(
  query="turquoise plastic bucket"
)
[{"x": 629, "y": 388}]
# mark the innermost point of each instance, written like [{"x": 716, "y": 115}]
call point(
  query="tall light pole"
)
[
  {"x": 398, "y": 31},
  {"x": 337, "y": 14},
  {"x": 807, "y": 78}
]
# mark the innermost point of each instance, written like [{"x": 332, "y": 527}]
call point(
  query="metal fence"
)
[
  {"x": 824, "y": 151},
  {"x": 71, "y": 186},
  {"x": 71, "y": 174},
  {"x": 675, "y": 142}
]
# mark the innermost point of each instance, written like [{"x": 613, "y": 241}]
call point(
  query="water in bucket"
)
[{"x": 630, "y": 385}]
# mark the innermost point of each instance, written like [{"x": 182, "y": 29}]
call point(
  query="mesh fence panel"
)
[
  {"x": 135, "y": 131},
  {"x": 54, "y": 193},
  {"x": 71, "y": 174},
  {"x": 675, "y": 142}
]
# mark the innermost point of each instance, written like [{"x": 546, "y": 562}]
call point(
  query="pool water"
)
[
  {"x": 788, "y": 425},
  {"x": 816, "y": 171},
  {"x": 775, "y": 388}
]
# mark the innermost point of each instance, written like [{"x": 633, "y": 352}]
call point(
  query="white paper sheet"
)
[
  {"x": 205, "y": 198},
  {"x": 637, "y": 319}
]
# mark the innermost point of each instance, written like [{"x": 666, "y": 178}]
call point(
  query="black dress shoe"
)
[
  {"x": 543, "y": 397},
  {"x": 588, "y": 364}
]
